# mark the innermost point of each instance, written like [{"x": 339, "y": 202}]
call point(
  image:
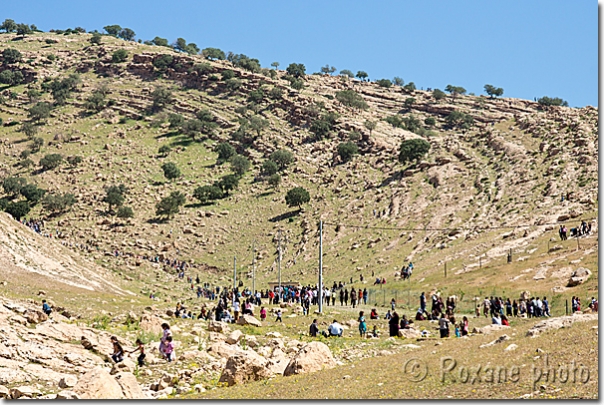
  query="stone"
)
[
  {"x": 511, "y": 347},
  {"x": 234, "y": 337},
  {"x": 98, "y": 384},
  {"x": 151, "y": 323},
  {"x": 220, "y": 327},
  {"x": 222, "y": 349},
  {"x": 130, "y": 387},
  {"x": 500, "y": 339},
  {"x": 579, "y": 276},
  {"x": 559, "y": 322},
  {"x": 23, "y": 391},
  {"x": 68, "y": 381},
  {"x": 313, "y": 357},
  {"x": 125, "y": 365},
  {"x": 66, "y": 394},
  {"x": 273, "y": 335},
  {"x": 489, "y": 329},
  {"x": 4, "y": 392},
  {"x": 243, "y": 367},
  {"x": 409, "y": 333},
  {"x": 248, "y": 320}
]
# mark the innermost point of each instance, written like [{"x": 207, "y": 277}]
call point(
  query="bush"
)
[
  {"x": 11, "y": 78},
  {"x": 282, "y": 158},
  {"x": 58, "y": 203},
  {"x": 161, "y": 97},
  {"x": 354, "y": 136},
  {"x": 74, "y": 160},
  {"x": 228, "y": 183},
  {"x": 276, "y": 93},
  {"x": 430, "y": 121},
  {"x": 18, "y": 209},
  {"x": 163, "y": 61},
  {"x": 32, "y": 193},
  {"x": 296, "y": 70},
  {"x": 96, "y": 39},
  {"x": 438, "y": 94},
  {"x": 29, "y": 129},
  {"x": 274, "y": 180},
  {"x": 164, "y": 150},
  {"x": 213, "y": 53},
  {"x": 169, "y": 206},
  {"x": 171, "y": 171},
  {"x": 384, "y": 83},
  {"x": 158, "y": 41},
  {"x": 12, "y": 185},
  {"x": 96, "y": 101},
  {"x": 233, "y": 84},
  {"x": 240, "y": 165},
  {"x": 413, "y": 149},
  {"x": 410, "y": 86},
  {"x": 227, "y": 74},
  {"x": 10, "y": 56},
  {"x": 296, "y": 197},
  {"x": 207, "y": 193},
  {"x": 36, "y": 144},
  {"x": 322, "y": 126},
  {"x": 114, "y": 196},
  {"x": 125, "y": 212},
  {"x": 225, "y": 151},
  {"x": 556, "y": 101},
  {"x": 119, "y": 56},
  {"x": 269, "y": 168},
  {"x": 347, "y": 150},
  {"x": 352, "y": 99},
  {"x": 40, "y": 111},
  {"x": 459, "y": 119},
  {"x": 347, "y": 73},
  {"x": 493, "y": 91},
  {"x": 51, "y": 161}
]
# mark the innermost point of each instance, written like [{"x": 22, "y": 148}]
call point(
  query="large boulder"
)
[
  {"x": 4, "y": 392},
  {"x": 579, "y": 276},
  {"x": 248, "y": 320},
  {"x": 409, "y": 333},
  {"x": 68, "y": 381},
  {"x": 98, "y": 384},
  {"x": 222, "y": 349},
  {"x": 35, "y": 316},
  {"x": 559, "y": 322},
  {"x": 243, "y": 367},
  {"x": 490, "y": 328},
  {"x": 151, "y": 323},
  {"x": 66, "y": 394},
  {"x": 234, "y": 337},
  {"x": 24, "y": 391},
  {"x": 126, "y": 365},
  {"x": 313, "y": 357},
  {"x": 130, "y": 387},
  {"x": 220, "y": 327}
]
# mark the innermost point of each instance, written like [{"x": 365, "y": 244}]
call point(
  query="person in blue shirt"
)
[{"x": 46, "y": 308}]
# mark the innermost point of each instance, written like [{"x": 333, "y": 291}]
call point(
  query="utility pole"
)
[
  {"x": 279, "y": 263},
  {"x": 254, "y": 268},
  {"x": 234, "y": 272},
  {"x": 320, "y": 288}
]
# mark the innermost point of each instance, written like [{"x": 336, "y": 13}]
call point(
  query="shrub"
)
[
  {"x": 347, "y": 150},
  {"x": 430, "y": 121},
  {"x": 58, "y": 203},
  {"x": 207, "y": 193},
  {"x": 125, "y": 212},
  {"x": 18, "y": 209},
  {"x": 40, "y": 111},
  {"x": 161, "y": 97},
  {"x": 96, "y": 39},
  {"x": 351, "y": 98},
  {"x": 384, "y": 83},
  {"x": 232, "y": 84},
  {"x": 163, "y": 61},
  {"x": 413, "y": 149},
  {"x": 74, "y": 160},
  {"x": 10, "y": 56},
  {"x": 227, "y": 74},
  {"x": 225, "y": 151},
  {"x": 12, "y": 185},
  {"x": 355, "y": 136},
  {"x": 347, "y": 73},
  {"x": 555, "y": 101},
  {"x": 438, "y": 94},
  {"x": 114, "y": 196},
  {"x": 282, "y": 158},
  {"x": 274, "y": 180},
  {"x": 269, "y": 168},
  {"x": 296, "y": 70},
  {"x": 164, "y": 150},
  {"x": 169, "y": 206},
  {"x": 213, "y": 53},
  {"x": 459, "y": 119},
  {"x": 171, "y": 171},
  {"x": 51, "y": 161},
  {"x": 240, "y": 165},
  {"x": 32, "y": 193},
  {"x": 296, "y": 197},
  {"x": 119, "y": 56},
  {"x": 36, "y": 144},
  {"x": 228, "y": 183}
]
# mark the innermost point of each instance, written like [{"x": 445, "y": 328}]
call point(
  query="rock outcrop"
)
[{"x": 313, "y": 357}]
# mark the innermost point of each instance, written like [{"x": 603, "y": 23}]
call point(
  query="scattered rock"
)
[
  {"x": 68, "y": 381},
  {"x": 248, "y": 320},
  {"x": 243, "y": 367},
  {"x": 313, "y": 357},
  {"x": 579, "y": 276}
]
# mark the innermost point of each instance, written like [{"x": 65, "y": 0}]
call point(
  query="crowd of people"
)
[{"x": 581, "y": 230}]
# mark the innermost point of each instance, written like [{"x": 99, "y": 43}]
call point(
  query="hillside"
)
[{"x": 500, "y": 177}]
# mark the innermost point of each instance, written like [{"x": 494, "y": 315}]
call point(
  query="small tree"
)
[
  {"x": 370, "y": 125},
  {"x": 51, "y": 161},
  {"x": 409, "y": 101},
  {"x": 274, "y": 180},
  {"x": 413, "y": 149},
  {"x": 296, "y": 70},
  {"x": 493, "y": 91},
  {"x": 257, "y": 123},
  {"x": 384, "y": 83},
  {"x": 269, "y": 168},
  {"x": 32, "y": 193},
  {"x": 275, "y": 65},
  {"x": 163, "y": 61},
  {"x": 207, "y": 193},
  {"x": 112, "y": 29},
  {"x": 228, "y": 183},
  {"x": 347, "y": 150},
  {"x": 74, "y": 160},
  {"x": 240, "y": 165},
  {"x": 362, "y": 75},
  {"x": 164, "y": 150},
  {"x": 282, "y": 158},
  {"x": 227, "y": 74},
  {"x": 438, "y": 94},
  {"x": 125, "y": 212},
  {"x": 119, "y": 56},
  {"x": 18, "y": 209},
  {"x": 158, "y": 41},
  {"x": 410, "y": 86},
  {"x": 126, "y": 34},
  {"x": 161, "y": 97},
  {"x": 296, "y": 197},
  {"x": 351, "y": 98},
  {"x": 96, "y": 102},
  {"x": 225, "y": 151},
  {"x": 8, "y": 25},
  {"x": 552, "y": 101},
  {"x": 455, "y": 91},
  {"x": 430, "y": 121},
  {"x": 346, "y": 73},
  {"x": 36, "y": 144},
  {"x": 23, "y": 30},
  {"x": 397, "y": 81},
  {"x": 11, "y": 56},
  {"x": 96, "y": 39},
  {"x": 459, "y": 119},
  {"x": 58, "y": 203},
  {"x": 213, "y": 54},
  {"x": 13, "y": 185},
  {"x": 114, "y": 196},
  {"x": 171, "y": 171},
  {"x": 39, "y": 112}
]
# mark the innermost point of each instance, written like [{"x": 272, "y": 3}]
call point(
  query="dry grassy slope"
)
[{"x": 508, "y": 170}]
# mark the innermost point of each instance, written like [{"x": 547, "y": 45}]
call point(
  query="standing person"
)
[
  {"x": 360, "y": 296},
  {"x": 362, "y": 324},
  {"x": 166, "y": 334},
  {"x": 279, "y": 314},
  {"x": 486, "y": 306},
  {"x": 394, "y": 324},
  {"x": 346, "y": 296},
  {"x": 365, "y": 295},
  {"x": 515, "y": 308},
  {"x": 465, "y": 326},
  {"x": 353, "y": 297},
  {"x": 236, "y": 308},
  {"x": 169, "y": 349},
  {"x": 118, "y": 351},
  {"x": 443, "y": 325},
  {"x": 314, "y": 328},
  {"x": 422, "y": 302},
  {"x": 141, "y": 357},
  {"x": 392, "y": 303},
  {"x": 262, "y": 314},
  {"x": 341, "y": 297}
]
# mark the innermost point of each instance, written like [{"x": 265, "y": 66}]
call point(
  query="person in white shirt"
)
[
  {"x": 335, "y": 329},
  {"x": 236, "y": 309}
]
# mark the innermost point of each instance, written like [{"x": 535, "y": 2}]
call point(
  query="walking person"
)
[
  {"x": 164, "y": 339},
  {"x": 362, "y": 324},
  {"x": 118, "y": 351},
  {"x": 141, "y": 357}
]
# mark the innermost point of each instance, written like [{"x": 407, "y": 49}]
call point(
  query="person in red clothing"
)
[{"x": 504, "y": 320}]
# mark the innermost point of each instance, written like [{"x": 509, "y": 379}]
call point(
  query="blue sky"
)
[{"x": 529, "y": 48}]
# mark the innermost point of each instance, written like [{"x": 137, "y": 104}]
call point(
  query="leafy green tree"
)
[
  {"x": 74, "y": 160},
  {"x": 119, "y": 56},
  {"x": 192, "y": 49},
  {"x": 163, "y": 61},
  {"x": 328, "y": 69},
  {"x": 233, "y": 84},
  {"x": 323, "y": 126},
  {"x": 296, "y": 70},
  {"x": 225, "y": 151},
  {"x": 11, "y": 56},
  {"x": 8, "y": 25},
  {"x": 410, "y": 86},
  {"x": 58, "y": 203},
  {"x": 11, "y": 78},
  {"x": 170, "y": 205},
  {"x": 113, "y": 30},
  {"x": 114, "y": 196},
  {"x": 18, "y": 209},
  {"x": 413, "y": 149},
  {"x": 282, "y": 158},
  {"x": 180, "y": 44},
  {"x": 397, "y": 81},
  {"x": 411, "y": 123},
  {"x": 158, "y": 41},
  {"x": 213, "y": 54},
  {"x": 126, "y": 34},
  {"x": 351, "y": 98},
  {"x": 384, "y": 83},
  {"x": 96, "y": 39},
  {"x": 296, "y": 197},
  {"x": 228, "y": 183},
  {"x": 430, "y": 121},
  {"x": 227, "y": 74},
  {"x": 493, "y": 91},
  {"x": 207, "y": 193},
  {"x": 51, "y": 161},
  {"x": 297, "y": 84},
  {"x": 33, "y": 95},
  {"x": 13, "y": 185},
  {"x": 171, "y": 171},
  {"x": 164, "y": 150},
  {"x": 175, "y": 120},
  {"x": 96, "y": 101},
  {"x": 240, "y": 165},
  {"x": 438, "y": 94},
  {"x": 23, "y": 30},
  {"x": 362, "y": 75},
  {"x": 355, "y": 136},
  {"x": 370, "y": 125},
  {"x": 549, "y": 101},
  {"x": 275, "y": 65},
  {"x": 269, "y": 168},
  {"x": 459, "y": 119},
  {"x": 347, "y": 73},
  {"x": 258, "y": 124},
  {"x": 25, "y": 163},
  {"x": 347, "y": 150},
  {"x": 274, "y": 180},
  {"x": 256, "y": 96},
  {"x": 32, "y": 193},
  {"x": 36, "y": 144},
  {"x": 276, "y": 93},
  {"x": 39, "y": 112},
  {"x": 125, "y": 212},
  {"x": 61, "y": 89},
  {"x": 455, "y": 91},
  {"x": 409, "y": 101},
  {"x": 162, "y": 96}
]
